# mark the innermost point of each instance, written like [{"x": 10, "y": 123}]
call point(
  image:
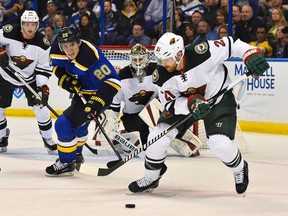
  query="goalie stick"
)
[
  {"x": 94, "y": 151},
  {"x": 113, "y": 165}
]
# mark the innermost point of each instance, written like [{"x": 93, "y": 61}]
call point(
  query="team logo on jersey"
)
[
  {"x": 201, "y": 48},
  {"x": 46, "y": 41},
  {"x": 8, "y": 28},
  {"x": 18, "y": 92},
  {"x": 142, "y": 97},
  {"x": 167, "y": 114},
  {"x": 21, "y": 61},
  {"x": 155, "y": 75}
]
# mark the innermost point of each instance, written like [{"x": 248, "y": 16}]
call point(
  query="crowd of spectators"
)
[{"x": 262, "y": 23}]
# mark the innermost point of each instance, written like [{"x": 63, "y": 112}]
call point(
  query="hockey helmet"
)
[
  {"x": 139, "y": 59},
  {"x": 69, "y": 34},
  {"x": 29, "y": 16},
  {"x": 168, "y": 46}
]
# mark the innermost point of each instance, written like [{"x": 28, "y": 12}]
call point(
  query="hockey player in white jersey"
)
[
  {"x": 137, "y": 91},
  {"x": 203, "y": 74},
  {"x": 27, "y": 52}
]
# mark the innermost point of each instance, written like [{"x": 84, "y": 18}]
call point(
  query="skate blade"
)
[
  {"x": 52, "y": 152},
  {"x": 150, "y": 190},
  {"x": 3, "y": 149},
  {"x": 68, "y": 174}
]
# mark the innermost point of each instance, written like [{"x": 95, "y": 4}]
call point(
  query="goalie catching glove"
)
[
  {"x": 43, "y": 92},
  {"x": 93, "y": 106},
  {"x": 255, "y": 62},
  {"x": 68, "y": 83},
  {"x": 198, "y": 106}
]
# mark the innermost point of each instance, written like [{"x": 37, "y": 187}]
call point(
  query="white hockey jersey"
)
[
  {"x": 204, "y": 72},
  {"x": 134, "y": 94},
  {"x": 29, "y": 58}
]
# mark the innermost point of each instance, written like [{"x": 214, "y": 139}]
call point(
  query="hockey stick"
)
[
  {"x": 113, "y": 165},
  {"x": 30, "y": 88},
  {"x": 94, "y": 151},
  {"x": 99, "y": 125}
]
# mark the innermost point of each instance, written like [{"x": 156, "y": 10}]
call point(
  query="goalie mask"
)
[
  {"x": 139, "y": 60},
  {"x": 168, "y": 47}
]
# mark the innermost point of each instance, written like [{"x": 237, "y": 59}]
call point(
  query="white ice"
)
[{"x": 191, "y": 186}]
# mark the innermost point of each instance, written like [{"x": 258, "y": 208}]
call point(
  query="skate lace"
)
[
  {"x": 143, "y": 182},
  {"x": 239, "y": 177},
  {"x": 58, "y": 165}
]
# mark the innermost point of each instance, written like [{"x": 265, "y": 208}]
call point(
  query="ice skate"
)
[
  {"x": 50, "y": 145},
  {"x": 142, "y": 185},
  {"x": 241, "y": 179},
  {"x": 4, "y": 141},
  {"x": 79, "y": 160},
  {"x": 61, "y": 169}
]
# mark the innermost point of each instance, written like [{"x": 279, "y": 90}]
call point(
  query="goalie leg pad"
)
[{"x": 188, "y": 145}]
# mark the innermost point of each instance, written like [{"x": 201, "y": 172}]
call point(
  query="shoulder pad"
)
[
  {"x": 160, "y": 75},
  {"x": 126, "y": 72}
]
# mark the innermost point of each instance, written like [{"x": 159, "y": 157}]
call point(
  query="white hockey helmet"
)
[
  {"x": 29, "y": 16},
  {"x": 168, "y": 46}
]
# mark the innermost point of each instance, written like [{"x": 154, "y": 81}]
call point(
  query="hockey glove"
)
[
  {"x": 43, "y": 92},
  {"x": 255, "y": 62},
  {"x": 93, "y": 106},
  {"x": 198, "y": 106},
  {"x": 4, "y": 59},
  {"x": 68, "y": 83}
]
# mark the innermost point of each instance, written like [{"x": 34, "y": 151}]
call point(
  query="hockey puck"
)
[{"x": 130, "y": 205}]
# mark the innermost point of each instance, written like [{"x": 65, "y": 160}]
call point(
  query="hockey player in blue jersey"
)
[{"x": 79, "y": 64}]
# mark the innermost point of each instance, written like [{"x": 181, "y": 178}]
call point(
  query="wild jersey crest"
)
[
  {"x": 8, "y": 28},
  {"x": 201, "y": 48},
  {"x": 142, "y": 97},
  {"x": 21, "y": 61}
]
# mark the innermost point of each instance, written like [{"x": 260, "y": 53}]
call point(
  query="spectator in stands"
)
[
  {"x": 128, "y": 16},
  {"x": 96, "y": 8},
  {"x": 154, "y": 11},
  {"x": 82, "y": 9},
  {"x": 222, "y": 31},
  {"x": 111, "y": 23},
  {"x": 246, "y": 28},
  {"x": 87, "y": 29},
  {"x": 59, "y": 22},
  {"x": 224, "y": 5},
  {"x": 277, "y": 4},
  {"x": 190, "y": 34},
  {"x": 138, "y": 36},
  {"x": 186, "y": 8},
  {"x": 262, "y": 42},
  {"x": 11, "y": 9},
  {"x": 50, "y": 33},
  {"x": 277, "y": 18},
  {"x": 179, "y": 27},
  {"x": 142, "y": 7},
  {"x": 221, "y": 19},
  {"x": 69, "y": 7},
  {"x": 196, "y": 17},
  {"x": 205, "y": 32},
  {"x": 52, "y": 10},
  {"x": 281, "y": 49},
  {"x": 236, "y": 16},
  {"x": 210, "y": 13}
]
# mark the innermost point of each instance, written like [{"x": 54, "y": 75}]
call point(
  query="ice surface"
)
[{"x": 191, "y": 186}]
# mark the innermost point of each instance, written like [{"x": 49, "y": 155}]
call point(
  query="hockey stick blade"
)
[
  {"x": 105, "y": 171},
  {"x": 94, "y": 151}
]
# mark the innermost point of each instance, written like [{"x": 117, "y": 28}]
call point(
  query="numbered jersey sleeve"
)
[{"x": 228, "y": 47}]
